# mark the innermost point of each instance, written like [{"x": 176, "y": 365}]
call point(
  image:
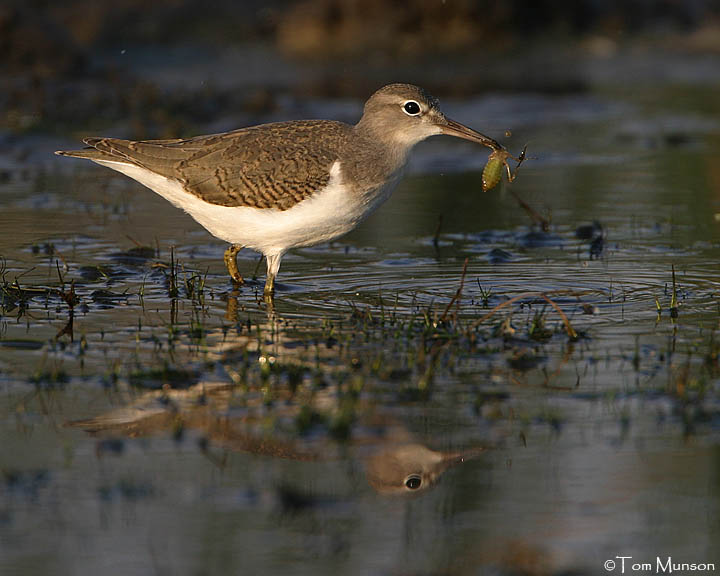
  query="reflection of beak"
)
[
  {"x": 452, "y": 128},
  {"x": 447, "y": 460},
  {"x": 452, "y": 458}
]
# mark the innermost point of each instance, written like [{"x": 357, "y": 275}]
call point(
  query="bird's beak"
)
[{"x": 452, "y": 128}]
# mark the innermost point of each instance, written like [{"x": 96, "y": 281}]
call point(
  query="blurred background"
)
[{"x": 179, "y": 67}]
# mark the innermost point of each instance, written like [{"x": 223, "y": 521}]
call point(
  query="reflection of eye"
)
[
  {"x": 411, "y": 107},
  {"x": 413, "y": 482}
]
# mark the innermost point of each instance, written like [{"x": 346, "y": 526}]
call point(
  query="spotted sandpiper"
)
[
  {"x": 284, "y": 185},
  {"x": 395, "y": 464}
]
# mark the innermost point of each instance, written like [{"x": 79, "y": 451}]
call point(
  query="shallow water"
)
[{"x": 196, "y": 431}]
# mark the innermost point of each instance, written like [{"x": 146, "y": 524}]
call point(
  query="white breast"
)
[{"x": 325, "y": 215}]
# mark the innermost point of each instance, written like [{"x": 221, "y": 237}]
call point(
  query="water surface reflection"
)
[{"x": 157, "y": 420}]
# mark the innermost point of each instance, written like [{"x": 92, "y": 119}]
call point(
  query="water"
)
[{"x": 175, "y": 425}]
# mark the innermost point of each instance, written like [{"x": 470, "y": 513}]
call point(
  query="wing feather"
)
[{"x": 272, "y": 165}]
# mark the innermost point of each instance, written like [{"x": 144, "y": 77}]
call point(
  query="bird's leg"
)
[
  {"x": 231, "y": 308},
  {"x": 273, "y": 265},
  {"x": 231, "y": 263}
]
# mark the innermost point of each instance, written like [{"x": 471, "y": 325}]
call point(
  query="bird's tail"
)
[
  {"x": 92, "y": 152},
  {"x": 87, "y": 153}
]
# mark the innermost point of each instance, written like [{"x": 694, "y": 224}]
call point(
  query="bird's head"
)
[{"x": 404, "y": 114}]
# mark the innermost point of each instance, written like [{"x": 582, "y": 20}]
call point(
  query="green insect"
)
[{"x": 492, "y": 173}]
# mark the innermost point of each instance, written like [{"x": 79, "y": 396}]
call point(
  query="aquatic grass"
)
[
  {"x": 49, "y": 376},
  {"x": 538, "y": 329},
  {"x": 172, "y": 276},
  {"x": 13, "y": 296},
  {"x": 382, "y": 349},
  {"x": 673, "y": 299},
  {"x": 194, "y": 285},
  {"x": 419, "y": 339},
  {"x": 572, "y": 334},
  {"x": 485, "y": 295},
  {"x": 16, "y": 298}
]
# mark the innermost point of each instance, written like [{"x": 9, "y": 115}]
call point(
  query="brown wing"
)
[{"x": 272, "y": 165}]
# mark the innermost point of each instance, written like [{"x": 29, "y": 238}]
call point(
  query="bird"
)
[{"x": 283, "y": 185}]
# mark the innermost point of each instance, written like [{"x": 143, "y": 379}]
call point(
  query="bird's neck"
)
[{"x": 375, "y": 158}]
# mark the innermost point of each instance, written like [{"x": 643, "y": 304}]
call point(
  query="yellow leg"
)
[
  {"x": 231, "y": 263},
  {"x": 273, "y": 265}
]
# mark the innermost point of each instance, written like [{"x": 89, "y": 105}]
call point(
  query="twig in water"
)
[
  {"x": 568, "y": 327},
  {"x": 458, "y": 295},
  {"x": 436, "y": 237},
  {"x": 534, "y": 215}
]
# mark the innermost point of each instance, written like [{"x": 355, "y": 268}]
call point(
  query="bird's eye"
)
[
  {"x": 413, "y": 482},
  {"x": 411, "y": 108}
]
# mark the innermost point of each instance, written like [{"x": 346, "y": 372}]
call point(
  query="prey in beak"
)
[{"x": 492, "y": 172}]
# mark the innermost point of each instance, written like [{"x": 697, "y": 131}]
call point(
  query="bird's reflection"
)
[
  {"x": 407, "y": 468},
  {"x": 394, "y": 463},
  {"x": 233, "y": 306}
]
